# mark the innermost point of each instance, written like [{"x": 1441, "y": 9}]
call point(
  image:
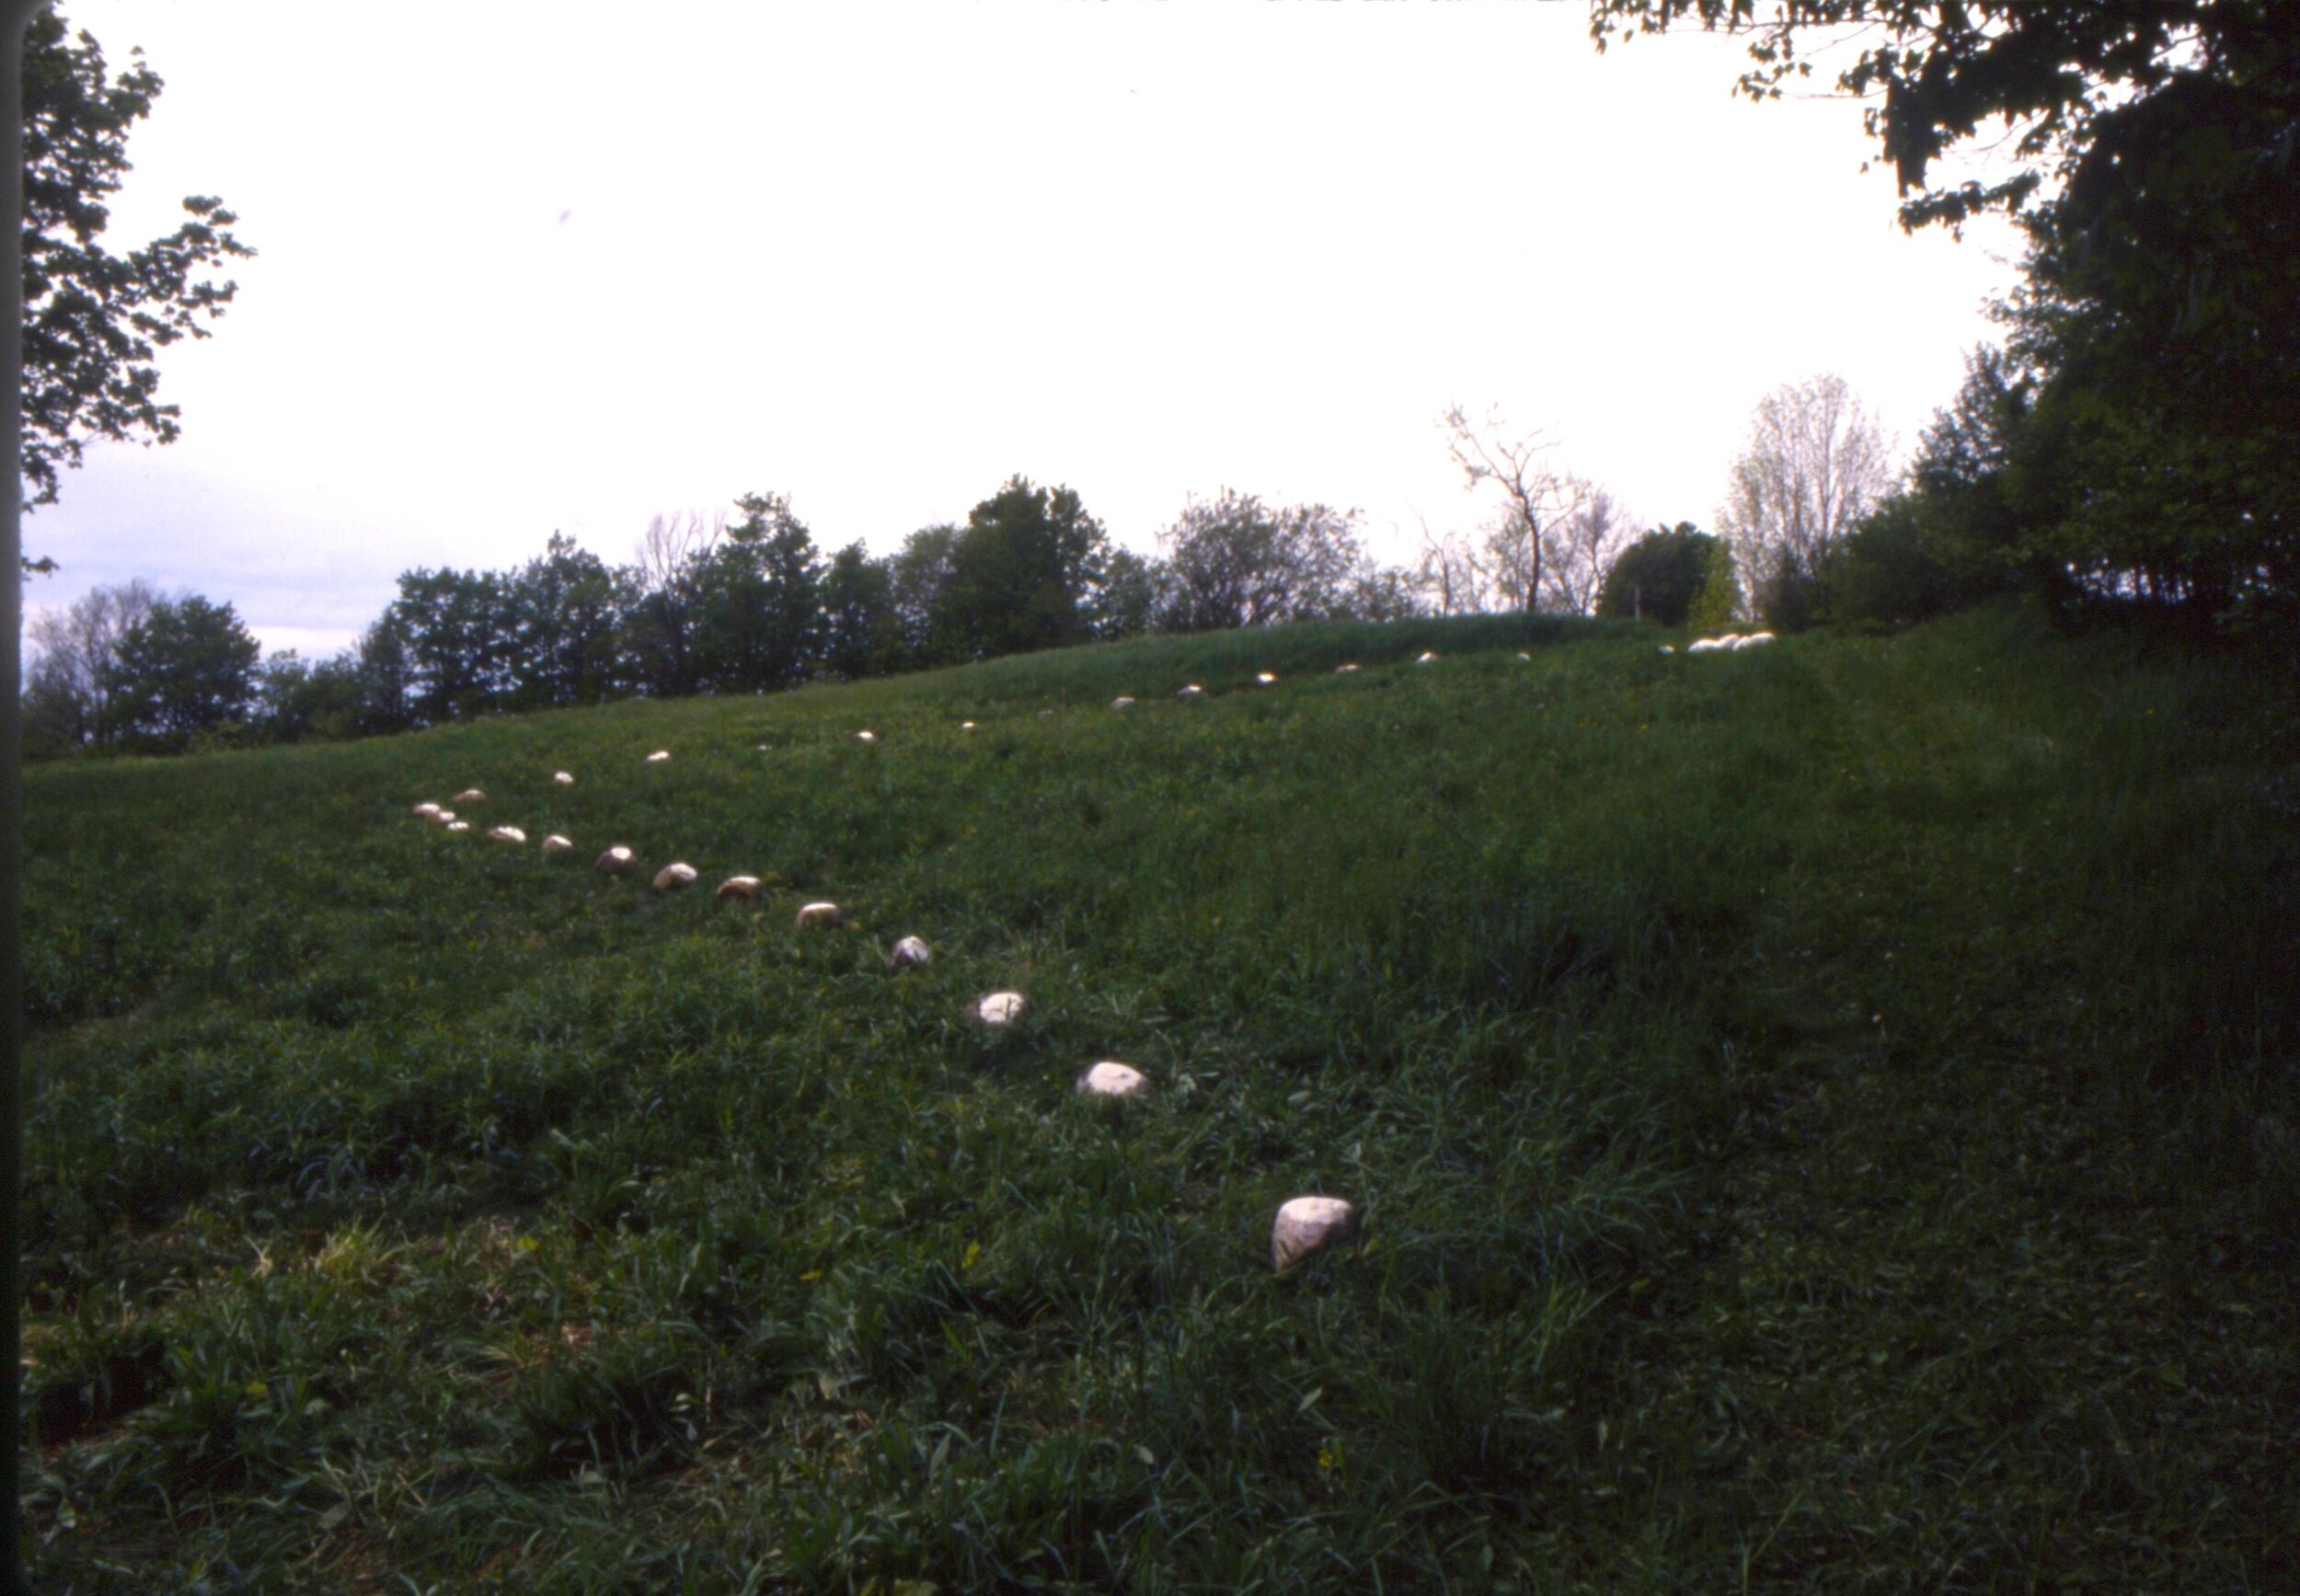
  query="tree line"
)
[{"x": 714, "y": 602}]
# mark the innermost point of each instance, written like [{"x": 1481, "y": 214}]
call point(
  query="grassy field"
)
[{"x": 1823, "y": 1117}]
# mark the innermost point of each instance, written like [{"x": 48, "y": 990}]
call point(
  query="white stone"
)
[
  {"x": 1122, "y": 702},
  {"x": 1308, "y": 1225},
  {"x": 1344, "y": 669},
  {"x": 824, "y": 914},
  {"x": 458, "y": 825},
  {"x": 427, "y": 811},
  {"x": 966, "y": 726},
  {"x": 1669, "y": 647},
  {"x": 563, "y": 779},
  {"x": 1756, "y": 639},
  {"x": 508, "y": 834},
  {"x": 442, "y": 817},
  {"x": 470, "y": 794},
  {"x": 866, "y": 737},
  {"x": 660, "y": 756},
  {"x": 1000, "y": 1009},
  {"x": 1264, "y": 677},
  {"x": 910, "y": 951},
  {"x": 616, "y": 861},
  {"x": 674, "y": 875},
  {"x": 748, "y": 889},
  {"x": 1109, "y": 1079},
  {"x": 1192, "y": 691},
  {"x": 1426, "y": 658},
  {"x": 556, "y": 844},
  {"x": 1525, "y": 656}
]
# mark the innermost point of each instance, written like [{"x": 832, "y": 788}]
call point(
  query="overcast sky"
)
[{"x": 528, "y": 266}]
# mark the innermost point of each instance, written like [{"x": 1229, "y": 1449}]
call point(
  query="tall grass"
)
[{"x": 1822, "y": 1115}]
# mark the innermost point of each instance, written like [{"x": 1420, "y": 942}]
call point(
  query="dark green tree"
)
[
  {"x": 561, "y": 624},
  {"x": 759, "y": 608},
  {"x": 1023, "y": 574},
  {"x": 861, "y": 635},
  {"x": 188, "y": 666},
  {"x": 1133, "y": 594},
  {"x": 1662, "y": 576},
  {"x": 918, "y": 574},
  {"x": 383, "y": 666},
  {"x": 456, "y": 626},
  {"x": 298, "y": 699},
  {"x": 92, "y": 320}
]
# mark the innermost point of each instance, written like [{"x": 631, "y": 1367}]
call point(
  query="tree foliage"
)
[
  {"x": 94, "y": 320},
  {"x": 1022, "y": 574},
  {"x": 1233, "y": 561},
  {"x": 187, "y": 667},
  {"x": 1936, "y": 73},
  {"x": 2144, "y": 454},
  {"x": 1670, "y": 574}
]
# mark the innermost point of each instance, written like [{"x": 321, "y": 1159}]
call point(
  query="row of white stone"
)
[{"x": 1303, "y": 1225}]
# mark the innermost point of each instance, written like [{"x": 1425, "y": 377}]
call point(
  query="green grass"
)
[{"x": 1823, "y": 1117}]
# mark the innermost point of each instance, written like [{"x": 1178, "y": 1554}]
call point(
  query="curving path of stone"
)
[{"x": 1303, "y": 1226}]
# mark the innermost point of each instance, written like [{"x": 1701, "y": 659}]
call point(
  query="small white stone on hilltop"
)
[
  {"x": 674, "y": 875},
  {"x": 458, "y": 825},
  {"x": 826, "y": 916},
  {"x": 1192, "y": 691},
  {"x": 616, "y": 861},
  {"x": 470, "y": 794},
  {"x": 866, "y": 737},
  {"x": 748, "y": 889},
  {"x": 910, "y": 951},
  {"x": 427, "y": 811},
  {"x": 1108, "y": 1079},
  {"x": 1344, "y": 669},
  {"x": 660, "y": 756},
  {"x": 1310, "y": 1224},
  {"x": 1000, "y": 1009},
  {"x": 508, "y": 834},
  {"x": 1426, "y": 658},
  {"x": 556, "y": 844},
  {"x": 1122, "y": 702},
  {"x": 563, "y": 779},
  {"x": 1264, "y": 677}
]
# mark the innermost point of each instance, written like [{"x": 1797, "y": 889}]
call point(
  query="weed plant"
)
[{"x": 1823, "y": 1117}]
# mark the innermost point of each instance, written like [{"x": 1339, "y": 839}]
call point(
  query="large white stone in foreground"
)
[
  {"x": 1113, "y": 1080},
  {"x": 1000, "y": 1009},
  {"x": 1307, "y": 1225}
]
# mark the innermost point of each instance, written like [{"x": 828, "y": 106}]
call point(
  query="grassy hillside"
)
[{"x": 1822, "y": 1115}]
